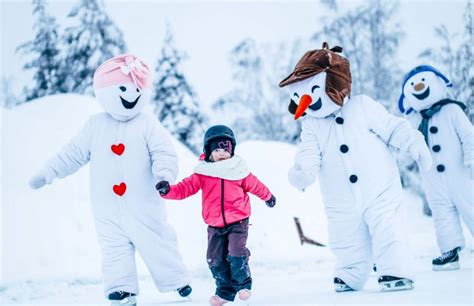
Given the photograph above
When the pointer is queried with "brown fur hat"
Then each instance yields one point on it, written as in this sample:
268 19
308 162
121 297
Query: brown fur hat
338 81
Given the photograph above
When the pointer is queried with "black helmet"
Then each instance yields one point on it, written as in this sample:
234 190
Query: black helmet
218 131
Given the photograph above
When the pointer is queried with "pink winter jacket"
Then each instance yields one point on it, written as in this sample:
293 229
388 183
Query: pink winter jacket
224 186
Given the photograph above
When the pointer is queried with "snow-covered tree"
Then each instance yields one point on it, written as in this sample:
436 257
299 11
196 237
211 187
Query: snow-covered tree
256 106
175 102
244 99
8 99
456 59
43 53
384 36
369 35
92 40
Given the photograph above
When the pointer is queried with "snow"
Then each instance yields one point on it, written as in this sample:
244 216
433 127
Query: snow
50 254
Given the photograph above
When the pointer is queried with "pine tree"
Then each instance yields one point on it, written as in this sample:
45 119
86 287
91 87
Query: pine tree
44 52
92 41
175 102
384 40
244 100
254 105
8 98
456 59
467 71
369 37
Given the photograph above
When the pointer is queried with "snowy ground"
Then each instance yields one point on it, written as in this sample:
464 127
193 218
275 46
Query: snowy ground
50 255
296 284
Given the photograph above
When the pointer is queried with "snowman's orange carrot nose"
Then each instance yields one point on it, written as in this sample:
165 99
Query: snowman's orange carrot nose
305 101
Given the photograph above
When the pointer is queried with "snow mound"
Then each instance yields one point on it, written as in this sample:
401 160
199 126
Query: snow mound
49 233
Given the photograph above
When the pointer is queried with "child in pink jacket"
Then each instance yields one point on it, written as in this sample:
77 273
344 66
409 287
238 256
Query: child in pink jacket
225 181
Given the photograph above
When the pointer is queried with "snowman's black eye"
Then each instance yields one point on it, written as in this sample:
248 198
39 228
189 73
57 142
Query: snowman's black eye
138 90
123 88
314 88
423 79
412 83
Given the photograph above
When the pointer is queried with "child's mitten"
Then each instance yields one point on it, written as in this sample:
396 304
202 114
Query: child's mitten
271 202
163 187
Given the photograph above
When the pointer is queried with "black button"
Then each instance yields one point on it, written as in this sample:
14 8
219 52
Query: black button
436 148
440 168
433 129
353 178
339 120
344 148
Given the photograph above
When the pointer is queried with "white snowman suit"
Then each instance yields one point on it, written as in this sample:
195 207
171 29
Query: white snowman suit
347 147
449 184
128 153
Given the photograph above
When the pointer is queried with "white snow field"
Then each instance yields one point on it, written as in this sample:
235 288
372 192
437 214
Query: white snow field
50 256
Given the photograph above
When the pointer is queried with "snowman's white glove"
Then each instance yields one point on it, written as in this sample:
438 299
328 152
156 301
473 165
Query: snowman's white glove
42 178
299 178
419 151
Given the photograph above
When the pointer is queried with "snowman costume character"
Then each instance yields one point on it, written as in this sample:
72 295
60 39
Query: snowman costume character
129 152
449 135
344 141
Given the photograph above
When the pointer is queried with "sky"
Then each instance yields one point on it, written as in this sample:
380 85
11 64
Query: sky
208 30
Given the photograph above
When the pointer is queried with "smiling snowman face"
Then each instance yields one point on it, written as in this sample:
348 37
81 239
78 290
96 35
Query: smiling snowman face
123 101
423 90
309 97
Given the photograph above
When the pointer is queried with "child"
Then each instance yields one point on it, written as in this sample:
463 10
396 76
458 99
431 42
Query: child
450 136
128 151
225 181
345 142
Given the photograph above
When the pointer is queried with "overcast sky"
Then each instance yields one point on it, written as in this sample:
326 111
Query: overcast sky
208 30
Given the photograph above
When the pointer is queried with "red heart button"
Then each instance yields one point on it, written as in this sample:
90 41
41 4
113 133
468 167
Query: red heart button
118 149
120 189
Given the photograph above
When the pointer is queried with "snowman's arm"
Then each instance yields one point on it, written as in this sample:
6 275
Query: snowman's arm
464 130
71 157
162 153
308 157
394 131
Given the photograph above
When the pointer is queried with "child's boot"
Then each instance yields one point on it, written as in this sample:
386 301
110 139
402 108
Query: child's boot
216 300
245 294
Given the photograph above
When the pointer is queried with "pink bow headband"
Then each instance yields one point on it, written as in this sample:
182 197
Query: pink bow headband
121 69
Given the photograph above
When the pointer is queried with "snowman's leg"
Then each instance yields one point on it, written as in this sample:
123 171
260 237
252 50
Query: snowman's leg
462 193
158 246
349 240
447 223
383 218
118 258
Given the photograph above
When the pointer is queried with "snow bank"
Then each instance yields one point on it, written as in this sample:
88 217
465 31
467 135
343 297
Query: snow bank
49 233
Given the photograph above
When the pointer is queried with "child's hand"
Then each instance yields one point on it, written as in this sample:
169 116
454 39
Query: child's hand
271 202
163 187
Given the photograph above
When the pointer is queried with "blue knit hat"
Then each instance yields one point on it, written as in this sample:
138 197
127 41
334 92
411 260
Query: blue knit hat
414 71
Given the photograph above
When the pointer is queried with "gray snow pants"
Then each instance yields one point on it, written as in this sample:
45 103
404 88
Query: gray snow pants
227 257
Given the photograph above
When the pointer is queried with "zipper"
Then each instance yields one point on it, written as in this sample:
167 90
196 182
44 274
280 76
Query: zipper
222 201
